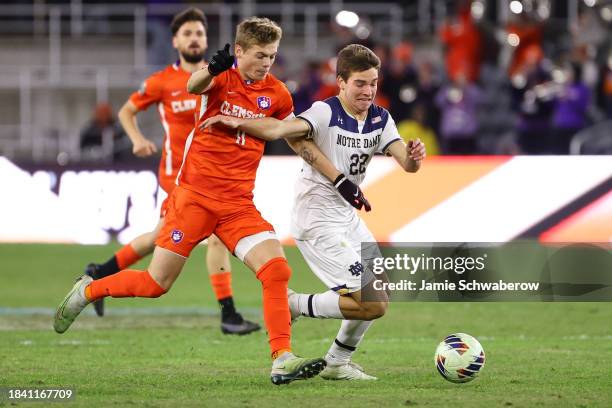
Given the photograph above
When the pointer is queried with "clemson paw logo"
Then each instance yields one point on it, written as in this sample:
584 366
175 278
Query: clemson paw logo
177 236
264 102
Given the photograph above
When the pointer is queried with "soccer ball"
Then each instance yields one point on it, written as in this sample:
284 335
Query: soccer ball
459 358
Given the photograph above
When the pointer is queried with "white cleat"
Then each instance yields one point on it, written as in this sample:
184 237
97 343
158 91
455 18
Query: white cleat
74 302
293 305
289 368
349 371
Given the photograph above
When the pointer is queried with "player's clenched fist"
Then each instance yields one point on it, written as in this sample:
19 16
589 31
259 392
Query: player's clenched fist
351 193
144 148
221 61
416 149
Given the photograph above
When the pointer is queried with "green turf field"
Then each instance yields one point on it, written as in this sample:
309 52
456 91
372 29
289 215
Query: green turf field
170 351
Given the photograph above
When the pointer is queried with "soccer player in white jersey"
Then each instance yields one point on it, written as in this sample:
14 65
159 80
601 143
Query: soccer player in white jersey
349 129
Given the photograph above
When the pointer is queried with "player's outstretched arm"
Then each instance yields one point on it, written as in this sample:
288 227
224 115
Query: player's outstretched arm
410 155
201 80
268 129
310 152
141 146
312 155
295 131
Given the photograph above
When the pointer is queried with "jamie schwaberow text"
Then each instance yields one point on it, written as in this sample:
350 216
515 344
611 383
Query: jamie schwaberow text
461 285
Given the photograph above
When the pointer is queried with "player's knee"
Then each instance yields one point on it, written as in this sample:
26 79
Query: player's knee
282 271
375 310
151 288
164 288
215 243
277 270
149 243
155 293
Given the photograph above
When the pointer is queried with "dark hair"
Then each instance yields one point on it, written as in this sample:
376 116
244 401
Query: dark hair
257 31
355 58
191 14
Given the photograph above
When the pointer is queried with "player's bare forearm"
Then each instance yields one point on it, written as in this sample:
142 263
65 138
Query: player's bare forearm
312 155
199 81
272 129
141 146
408 164
409 156
127 118
268 129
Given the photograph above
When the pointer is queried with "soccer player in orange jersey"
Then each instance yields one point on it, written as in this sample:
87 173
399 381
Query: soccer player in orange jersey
214 195
168 90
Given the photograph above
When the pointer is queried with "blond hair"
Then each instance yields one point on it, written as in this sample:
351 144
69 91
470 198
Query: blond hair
257 31
355 58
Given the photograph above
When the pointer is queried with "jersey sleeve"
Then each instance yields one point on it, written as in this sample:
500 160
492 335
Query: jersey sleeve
150 92
318 117
217 82
285 110
389 136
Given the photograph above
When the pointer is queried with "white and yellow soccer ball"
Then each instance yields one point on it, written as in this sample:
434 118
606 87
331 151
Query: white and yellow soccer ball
459 358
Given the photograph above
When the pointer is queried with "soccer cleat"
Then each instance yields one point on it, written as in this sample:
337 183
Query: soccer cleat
286 369
236 324
293 305
92 270
349 371
74 302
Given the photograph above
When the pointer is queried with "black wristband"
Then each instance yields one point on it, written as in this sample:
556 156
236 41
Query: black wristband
339 180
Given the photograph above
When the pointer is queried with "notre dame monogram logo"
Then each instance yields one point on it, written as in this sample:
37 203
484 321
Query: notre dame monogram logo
356 269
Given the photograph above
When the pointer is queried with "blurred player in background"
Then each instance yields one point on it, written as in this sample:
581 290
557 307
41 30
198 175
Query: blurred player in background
349 129
215 195
168 89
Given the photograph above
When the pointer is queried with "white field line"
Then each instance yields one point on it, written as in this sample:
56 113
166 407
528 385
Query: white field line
129 311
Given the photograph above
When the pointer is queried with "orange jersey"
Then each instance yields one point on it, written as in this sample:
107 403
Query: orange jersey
168 89
221 163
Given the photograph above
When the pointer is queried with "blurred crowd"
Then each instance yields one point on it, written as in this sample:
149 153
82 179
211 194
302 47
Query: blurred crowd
525 88
103 137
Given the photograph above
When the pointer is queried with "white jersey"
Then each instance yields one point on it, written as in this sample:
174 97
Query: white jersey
349 144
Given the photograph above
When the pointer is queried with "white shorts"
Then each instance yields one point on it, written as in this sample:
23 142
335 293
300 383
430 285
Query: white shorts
336 256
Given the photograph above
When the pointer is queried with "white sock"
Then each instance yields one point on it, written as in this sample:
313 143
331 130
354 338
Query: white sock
324 305
349 336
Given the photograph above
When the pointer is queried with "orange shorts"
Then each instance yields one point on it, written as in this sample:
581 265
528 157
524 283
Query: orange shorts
166 183
192 217
164 208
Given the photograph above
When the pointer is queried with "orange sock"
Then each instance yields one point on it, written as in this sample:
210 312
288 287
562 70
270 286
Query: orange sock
274 277
127 283
88 293
126 256
279 353
221 284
